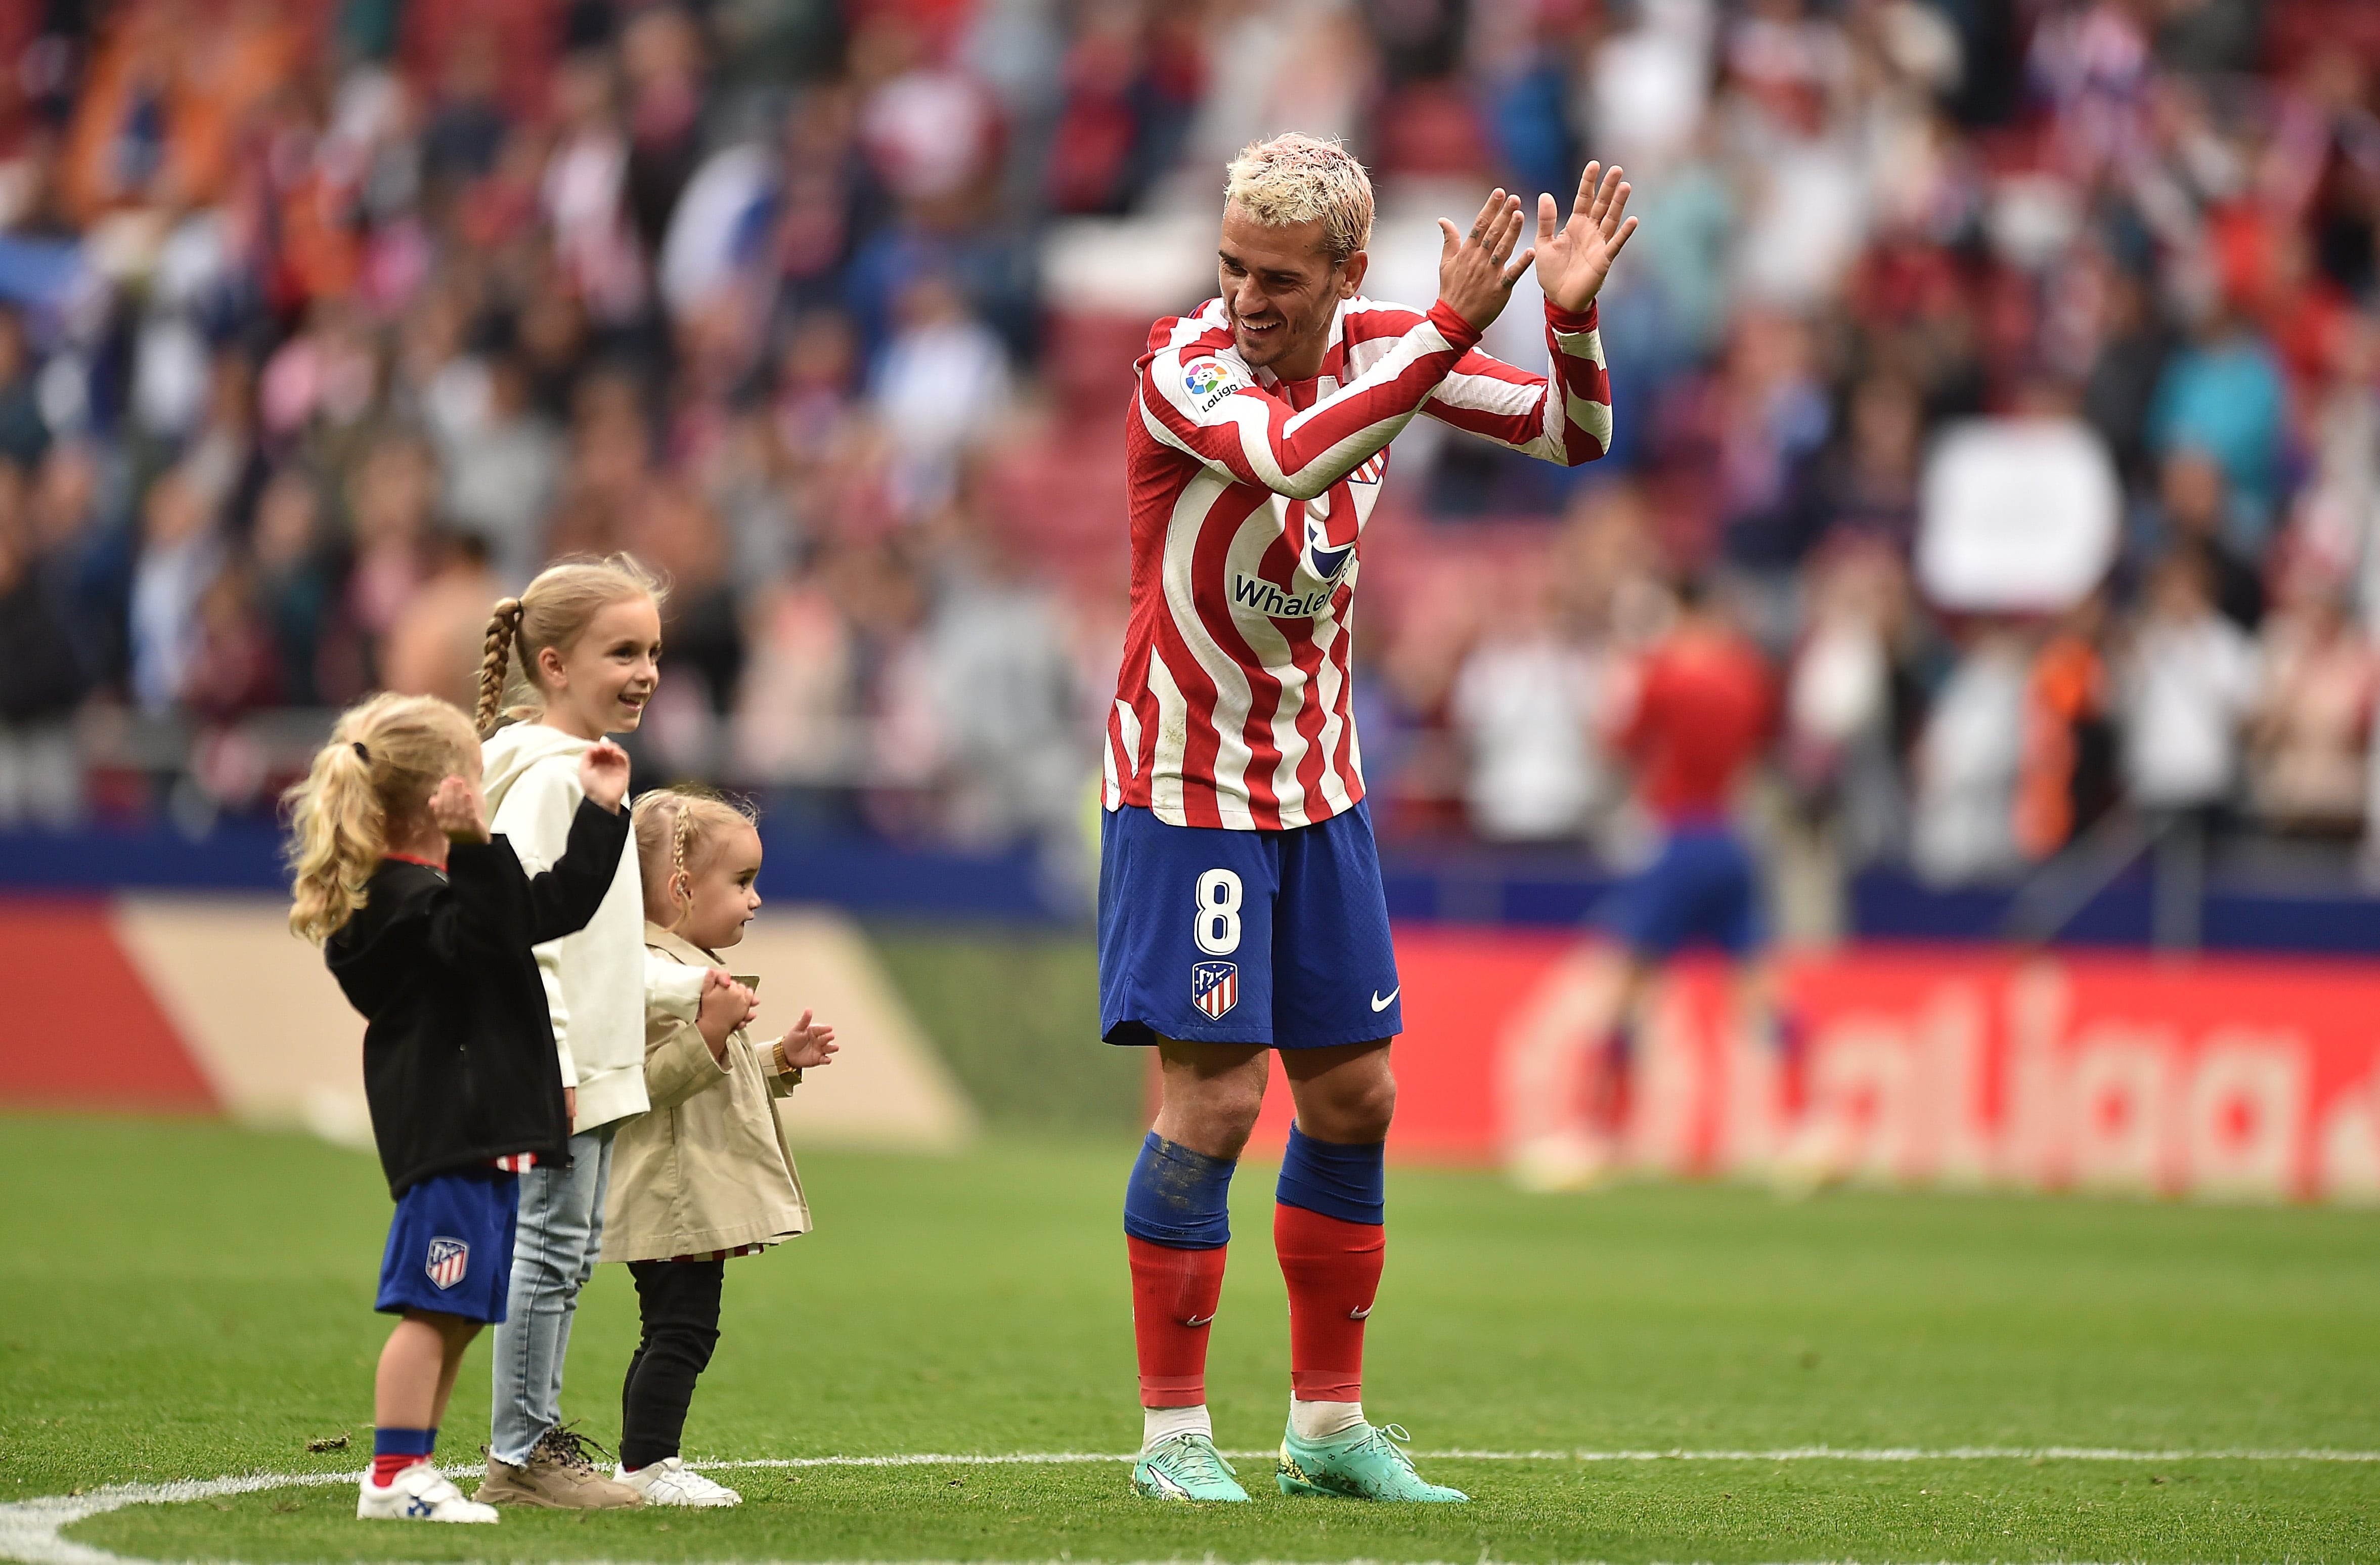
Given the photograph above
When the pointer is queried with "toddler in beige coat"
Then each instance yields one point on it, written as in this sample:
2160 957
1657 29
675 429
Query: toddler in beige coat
705 1175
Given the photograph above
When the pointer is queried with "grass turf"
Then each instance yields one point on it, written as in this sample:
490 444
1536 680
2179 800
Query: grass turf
186 1301
1008 1008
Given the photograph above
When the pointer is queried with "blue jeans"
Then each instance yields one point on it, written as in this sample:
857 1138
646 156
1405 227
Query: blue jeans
554 1247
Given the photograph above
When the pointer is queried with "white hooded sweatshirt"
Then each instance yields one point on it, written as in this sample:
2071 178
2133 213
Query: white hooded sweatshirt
594 979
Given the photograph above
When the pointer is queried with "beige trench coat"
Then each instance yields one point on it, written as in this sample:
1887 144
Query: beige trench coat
707 1168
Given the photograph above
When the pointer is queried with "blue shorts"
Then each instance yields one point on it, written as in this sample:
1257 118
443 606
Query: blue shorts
1214 936
450 1246
1701 887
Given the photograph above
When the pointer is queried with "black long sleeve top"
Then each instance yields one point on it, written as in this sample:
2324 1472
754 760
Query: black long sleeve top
459 1064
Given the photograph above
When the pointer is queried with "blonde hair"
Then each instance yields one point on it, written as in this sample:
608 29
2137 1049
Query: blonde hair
384 759
553 611
1293 179
674 826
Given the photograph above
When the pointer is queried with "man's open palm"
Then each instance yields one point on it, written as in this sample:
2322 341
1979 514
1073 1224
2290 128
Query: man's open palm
1573 264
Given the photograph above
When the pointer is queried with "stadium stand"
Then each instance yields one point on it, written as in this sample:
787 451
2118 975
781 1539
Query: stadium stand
323 326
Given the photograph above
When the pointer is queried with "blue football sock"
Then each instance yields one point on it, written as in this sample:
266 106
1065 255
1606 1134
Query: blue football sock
1179 1198
1349 1183
396 1448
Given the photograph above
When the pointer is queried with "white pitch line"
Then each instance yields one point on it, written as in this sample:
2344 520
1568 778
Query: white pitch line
1919 1453
30 1529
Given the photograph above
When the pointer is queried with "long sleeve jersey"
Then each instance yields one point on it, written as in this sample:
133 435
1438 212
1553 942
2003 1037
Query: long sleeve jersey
1248 498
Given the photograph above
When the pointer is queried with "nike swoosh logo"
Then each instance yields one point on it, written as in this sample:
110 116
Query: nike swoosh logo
1199 1320
1358 1315
1381 1002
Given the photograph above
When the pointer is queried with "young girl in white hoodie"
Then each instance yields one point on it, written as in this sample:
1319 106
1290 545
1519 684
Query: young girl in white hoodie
580 648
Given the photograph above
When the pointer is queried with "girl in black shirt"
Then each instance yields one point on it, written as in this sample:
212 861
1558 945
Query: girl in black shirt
428 924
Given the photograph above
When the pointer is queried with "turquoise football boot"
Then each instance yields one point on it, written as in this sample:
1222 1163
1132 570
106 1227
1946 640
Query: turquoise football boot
1185 1467
1366 1463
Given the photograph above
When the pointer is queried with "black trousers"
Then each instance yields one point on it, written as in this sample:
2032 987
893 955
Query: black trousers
678 1302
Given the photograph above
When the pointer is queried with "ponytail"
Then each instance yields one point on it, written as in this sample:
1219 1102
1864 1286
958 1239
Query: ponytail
383 759
339 834
553 611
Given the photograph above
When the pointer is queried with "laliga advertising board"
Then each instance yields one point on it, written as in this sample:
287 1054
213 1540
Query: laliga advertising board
2016 515
2224 1078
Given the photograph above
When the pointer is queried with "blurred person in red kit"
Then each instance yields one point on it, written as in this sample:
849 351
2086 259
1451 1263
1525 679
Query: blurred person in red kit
1702 711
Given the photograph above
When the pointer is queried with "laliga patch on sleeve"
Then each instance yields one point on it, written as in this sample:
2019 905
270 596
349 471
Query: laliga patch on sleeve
1209 383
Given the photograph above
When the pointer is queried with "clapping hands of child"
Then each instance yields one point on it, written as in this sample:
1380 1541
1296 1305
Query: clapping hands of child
808 1045
459 810
727 1006
603 773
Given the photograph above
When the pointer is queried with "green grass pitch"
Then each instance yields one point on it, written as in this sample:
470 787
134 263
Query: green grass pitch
189 1301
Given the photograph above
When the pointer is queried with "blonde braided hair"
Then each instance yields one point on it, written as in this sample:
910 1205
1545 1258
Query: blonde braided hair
553 611
681 883
503 628
683 818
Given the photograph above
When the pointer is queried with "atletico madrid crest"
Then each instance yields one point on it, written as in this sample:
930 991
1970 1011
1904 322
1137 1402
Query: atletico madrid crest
449 1259
1215 988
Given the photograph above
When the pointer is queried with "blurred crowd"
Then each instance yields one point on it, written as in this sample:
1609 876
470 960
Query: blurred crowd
325 324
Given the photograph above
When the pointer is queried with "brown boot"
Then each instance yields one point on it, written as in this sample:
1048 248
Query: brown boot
559 1477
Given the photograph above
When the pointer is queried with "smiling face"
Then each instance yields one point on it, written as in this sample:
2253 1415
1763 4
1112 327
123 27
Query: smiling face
720 894
600 683
1281 291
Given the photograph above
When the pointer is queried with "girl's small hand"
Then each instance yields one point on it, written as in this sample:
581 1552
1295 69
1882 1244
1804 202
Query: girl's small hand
725 1008
459 810
603 773
720 977
808 1045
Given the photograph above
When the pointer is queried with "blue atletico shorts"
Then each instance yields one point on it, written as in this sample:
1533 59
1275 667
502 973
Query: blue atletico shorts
450 1246
1701 887
1214 936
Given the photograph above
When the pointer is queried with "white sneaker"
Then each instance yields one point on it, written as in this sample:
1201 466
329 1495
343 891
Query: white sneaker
671 1482
420 1493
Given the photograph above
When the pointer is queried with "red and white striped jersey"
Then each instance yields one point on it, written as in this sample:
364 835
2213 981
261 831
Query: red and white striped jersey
1249 495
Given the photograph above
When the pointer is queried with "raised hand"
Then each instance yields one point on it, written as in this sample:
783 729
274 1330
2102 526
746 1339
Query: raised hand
1474 278
806 1046
603 773
1573 264
459 810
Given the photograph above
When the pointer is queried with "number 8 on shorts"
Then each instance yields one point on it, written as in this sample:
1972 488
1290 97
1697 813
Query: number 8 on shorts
1288 934
1218 913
